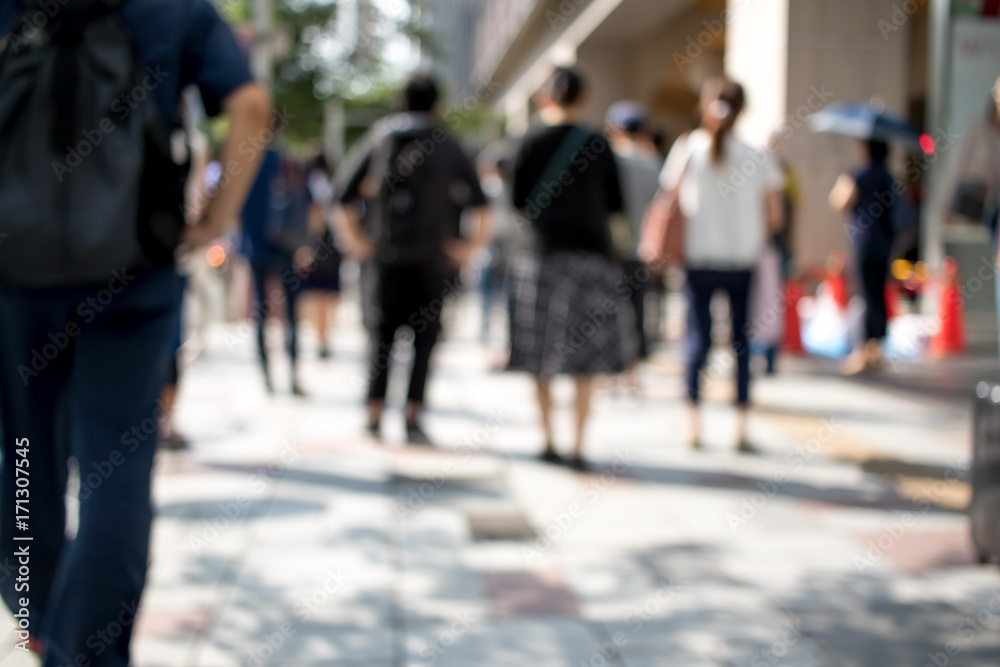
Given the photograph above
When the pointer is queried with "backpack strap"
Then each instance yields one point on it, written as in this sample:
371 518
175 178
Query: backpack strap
560 161
67 33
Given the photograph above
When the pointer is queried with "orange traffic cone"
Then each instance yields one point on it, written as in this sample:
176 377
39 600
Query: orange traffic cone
892 299
836 282
950 338
793 326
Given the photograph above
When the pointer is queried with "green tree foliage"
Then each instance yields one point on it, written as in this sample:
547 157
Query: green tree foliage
317 59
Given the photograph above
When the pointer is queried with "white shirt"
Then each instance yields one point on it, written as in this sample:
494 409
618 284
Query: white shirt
725 204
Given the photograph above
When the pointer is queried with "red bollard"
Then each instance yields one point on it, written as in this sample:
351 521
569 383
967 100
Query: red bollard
793 326
950 338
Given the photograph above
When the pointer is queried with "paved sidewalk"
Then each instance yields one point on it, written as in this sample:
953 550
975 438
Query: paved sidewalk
286 538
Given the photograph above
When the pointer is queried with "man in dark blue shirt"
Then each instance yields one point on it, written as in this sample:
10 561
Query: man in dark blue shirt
81 366
274 231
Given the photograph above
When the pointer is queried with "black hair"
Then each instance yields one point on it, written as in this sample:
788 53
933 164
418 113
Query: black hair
565 87
727 91
420 93
636 127
878 151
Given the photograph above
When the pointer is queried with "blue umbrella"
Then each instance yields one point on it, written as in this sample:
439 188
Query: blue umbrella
864 121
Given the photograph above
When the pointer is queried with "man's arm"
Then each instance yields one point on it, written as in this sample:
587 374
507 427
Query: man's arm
462 251
249 111
844 194
347 226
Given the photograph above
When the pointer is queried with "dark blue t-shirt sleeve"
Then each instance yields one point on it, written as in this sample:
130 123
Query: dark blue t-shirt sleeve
212 59
8 17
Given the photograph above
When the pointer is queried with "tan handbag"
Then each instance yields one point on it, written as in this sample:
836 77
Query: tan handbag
663 227
663 231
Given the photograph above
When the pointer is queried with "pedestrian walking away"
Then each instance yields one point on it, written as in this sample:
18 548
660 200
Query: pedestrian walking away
867 195
639 166
323 257
275 230
402 193
573 313
88 290
726 230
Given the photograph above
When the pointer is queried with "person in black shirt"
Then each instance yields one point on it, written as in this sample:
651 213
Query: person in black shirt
402 194
572 313
867 195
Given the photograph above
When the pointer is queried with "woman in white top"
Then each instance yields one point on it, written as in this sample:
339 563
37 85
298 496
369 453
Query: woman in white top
729 194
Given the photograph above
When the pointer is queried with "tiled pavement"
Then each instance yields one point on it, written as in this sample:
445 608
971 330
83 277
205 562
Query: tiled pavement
285 538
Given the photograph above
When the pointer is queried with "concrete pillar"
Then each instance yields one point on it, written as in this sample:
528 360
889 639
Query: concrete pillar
757 57
796 56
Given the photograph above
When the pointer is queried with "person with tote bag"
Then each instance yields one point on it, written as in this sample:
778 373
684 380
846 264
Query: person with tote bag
568 318
728 196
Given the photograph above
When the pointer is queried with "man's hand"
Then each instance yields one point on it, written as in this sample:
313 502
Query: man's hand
249 112
304 261
203 232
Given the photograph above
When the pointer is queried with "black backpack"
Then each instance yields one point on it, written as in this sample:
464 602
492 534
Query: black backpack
288 213
88 182
413 207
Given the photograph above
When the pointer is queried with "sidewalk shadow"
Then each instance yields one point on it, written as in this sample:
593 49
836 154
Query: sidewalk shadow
885 499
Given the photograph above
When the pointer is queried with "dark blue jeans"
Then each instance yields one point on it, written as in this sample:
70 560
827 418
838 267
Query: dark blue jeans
701 285
81 371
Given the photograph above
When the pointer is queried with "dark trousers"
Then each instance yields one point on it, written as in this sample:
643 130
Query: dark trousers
291 287
701 286
411 296
873 278
638 299
81 371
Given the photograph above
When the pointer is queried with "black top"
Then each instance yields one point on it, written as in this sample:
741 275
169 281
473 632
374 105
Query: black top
433 172
870 225
569 203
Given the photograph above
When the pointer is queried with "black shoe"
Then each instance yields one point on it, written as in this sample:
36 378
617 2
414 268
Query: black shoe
298 391
324 353
578 464
416 436
550 455
374 429
745 447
